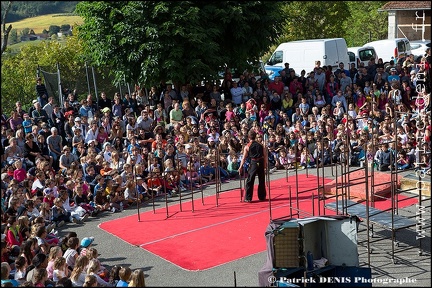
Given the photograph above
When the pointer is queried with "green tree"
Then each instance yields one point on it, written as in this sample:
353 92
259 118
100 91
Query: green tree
148 41
13 37
19 71
65 27
313 20
53 29
25 31
366 22
310 20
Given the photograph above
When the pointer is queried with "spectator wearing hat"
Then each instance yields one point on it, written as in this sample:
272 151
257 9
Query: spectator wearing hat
86 243
393 77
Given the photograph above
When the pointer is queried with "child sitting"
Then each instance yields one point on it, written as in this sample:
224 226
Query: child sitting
233 165
306 159
192 176
154 183
60 269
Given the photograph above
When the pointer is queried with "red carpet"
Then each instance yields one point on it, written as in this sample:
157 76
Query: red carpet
212 236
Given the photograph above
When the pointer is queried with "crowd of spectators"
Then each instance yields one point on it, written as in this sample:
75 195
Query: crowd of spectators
64 163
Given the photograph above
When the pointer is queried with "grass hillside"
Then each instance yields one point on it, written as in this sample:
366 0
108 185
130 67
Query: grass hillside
39 23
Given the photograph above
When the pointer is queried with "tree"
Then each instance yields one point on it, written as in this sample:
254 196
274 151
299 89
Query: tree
65 27
5 31
148 41
13 37
313 20
365 21
25 32
19 70
53 29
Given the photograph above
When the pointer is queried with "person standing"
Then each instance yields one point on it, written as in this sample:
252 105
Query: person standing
257 154
41 91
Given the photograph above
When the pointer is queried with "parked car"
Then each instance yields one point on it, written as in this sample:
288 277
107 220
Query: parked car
418 48
391 49
359 55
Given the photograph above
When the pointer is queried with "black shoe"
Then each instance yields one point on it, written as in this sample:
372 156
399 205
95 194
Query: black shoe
262 200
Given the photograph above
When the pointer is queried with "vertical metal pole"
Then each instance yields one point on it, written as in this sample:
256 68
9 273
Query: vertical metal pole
268 182
367 212
88 80
59 85
96 91
128 86
217 177
138 195
178 166
191 186
120 90
201 163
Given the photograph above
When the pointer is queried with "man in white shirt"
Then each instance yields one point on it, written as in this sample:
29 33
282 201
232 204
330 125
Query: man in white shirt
92 133
237 93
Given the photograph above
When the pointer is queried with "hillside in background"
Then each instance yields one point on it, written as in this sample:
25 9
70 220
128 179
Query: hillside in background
39 23
27 9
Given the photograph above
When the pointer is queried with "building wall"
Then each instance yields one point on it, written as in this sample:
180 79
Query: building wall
404 23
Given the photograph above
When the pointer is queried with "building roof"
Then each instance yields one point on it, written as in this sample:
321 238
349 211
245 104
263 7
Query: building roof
406 5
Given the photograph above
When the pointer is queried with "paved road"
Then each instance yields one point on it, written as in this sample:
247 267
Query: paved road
408 266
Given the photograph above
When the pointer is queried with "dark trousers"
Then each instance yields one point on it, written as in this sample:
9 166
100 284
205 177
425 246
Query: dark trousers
256 167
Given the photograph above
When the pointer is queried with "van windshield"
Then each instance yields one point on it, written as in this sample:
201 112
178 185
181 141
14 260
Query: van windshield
366 55
277 57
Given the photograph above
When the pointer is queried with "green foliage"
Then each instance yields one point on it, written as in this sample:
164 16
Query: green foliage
313 20
26 9
53 29
178 41
366 23
19 71
65 27
13 36
25 31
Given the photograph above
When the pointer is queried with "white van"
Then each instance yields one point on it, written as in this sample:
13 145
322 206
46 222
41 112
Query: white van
390 49
359 55
302 54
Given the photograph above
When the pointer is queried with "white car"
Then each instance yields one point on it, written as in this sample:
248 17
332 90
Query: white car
418 48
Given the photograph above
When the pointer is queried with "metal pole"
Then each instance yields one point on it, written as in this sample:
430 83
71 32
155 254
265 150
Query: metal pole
137 193
128 86
59 85
88 80
95 87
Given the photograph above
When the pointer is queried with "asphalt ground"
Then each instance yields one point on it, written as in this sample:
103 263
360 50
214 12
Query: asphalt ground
405 267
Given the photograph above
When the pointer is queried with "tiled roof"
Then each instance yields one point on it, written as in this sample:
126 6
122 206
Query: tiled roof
406 5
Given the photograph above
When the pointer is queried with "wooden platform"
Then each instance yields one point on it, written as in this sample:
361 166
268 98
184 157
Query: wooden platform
410 184
380 184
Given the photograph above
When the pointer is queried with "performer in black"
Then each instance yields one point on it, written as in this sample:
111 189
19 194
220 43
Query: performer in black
257 154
